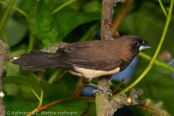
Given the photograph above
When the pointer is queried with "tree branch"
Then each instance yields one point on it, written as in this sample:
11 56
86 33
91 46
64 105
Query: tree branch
54 47
122 100
155 109
103 107
3 56
106 19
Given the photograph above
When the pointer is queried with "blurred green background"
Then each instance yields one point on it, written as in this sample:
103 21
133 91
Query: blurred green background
34 24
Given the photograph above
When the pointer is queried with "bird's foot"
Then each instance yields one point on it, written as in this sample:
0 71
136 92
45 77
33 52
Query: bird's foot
108 91
99 88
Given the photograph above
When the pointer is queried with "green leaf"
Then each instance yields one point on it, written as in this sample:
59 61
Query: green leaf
73 106
25 5
69 19
48 28
15 26
11 69
91 109
69 107
17 107
92 6
31 17
15 30
27 86
68 82
50 89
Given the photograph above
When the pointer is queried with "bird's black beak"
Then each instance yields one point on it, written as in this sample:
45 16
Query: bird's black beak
144 46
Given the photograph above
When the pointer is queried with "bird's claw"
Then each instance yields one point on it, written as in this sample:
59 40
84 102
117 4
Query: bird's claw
108 91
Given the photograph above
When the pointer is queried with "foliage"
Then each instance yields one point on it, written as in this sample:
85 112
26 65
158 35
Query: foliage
35 24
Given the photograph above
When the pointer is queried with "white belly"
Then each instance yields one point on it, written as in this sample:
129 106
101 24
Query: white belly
91 73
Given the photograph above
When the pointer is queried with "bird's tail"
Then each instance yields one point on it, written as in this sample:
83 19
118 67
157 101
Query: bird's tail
36 60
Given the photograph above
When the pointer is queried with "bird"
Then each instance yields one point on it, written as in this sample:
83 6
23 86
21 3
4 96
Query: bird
88 59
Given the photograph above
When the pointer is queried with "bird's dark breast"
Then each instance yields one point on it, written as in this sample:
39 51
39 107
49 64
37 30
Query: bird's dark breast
124 64
127 59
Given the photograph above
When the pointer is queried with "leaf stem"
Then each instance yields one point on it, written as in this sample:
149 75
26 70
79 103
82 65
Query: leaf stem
157 62
17 9
162 7
31 42
171 61
62 6
54 76
5 39
35 94
156 52
41 98
6 14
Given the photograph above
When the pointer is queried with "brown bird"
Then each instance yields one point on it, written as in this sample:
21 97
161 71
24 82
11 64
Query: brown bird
88 59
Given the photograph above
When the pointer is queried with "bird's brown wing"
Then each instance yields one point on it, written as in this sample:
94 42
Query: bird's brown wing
90 55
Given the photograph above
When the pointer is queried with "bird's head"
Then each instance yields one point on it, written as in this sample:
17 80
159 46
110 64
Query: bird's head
134 44
131 45
139 44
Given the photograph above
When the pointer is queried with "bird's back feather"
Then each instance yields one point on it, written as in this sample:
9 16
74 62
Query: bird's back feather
36 60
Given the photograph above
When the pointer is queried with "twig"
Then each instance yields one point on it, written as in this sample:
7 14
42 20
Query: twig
122 100
155 109
118 102
133 99
78 87
3 52
118 86
39 108
122 12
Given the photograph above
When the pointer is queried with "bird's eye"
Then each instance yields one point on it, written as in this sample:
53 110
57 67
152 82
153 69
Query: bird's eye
135 44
